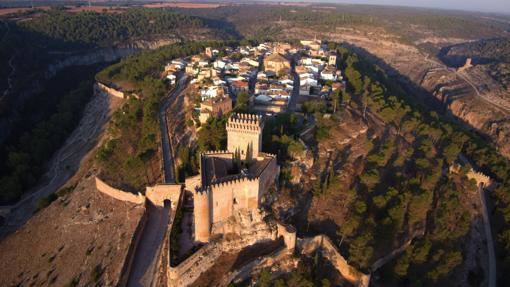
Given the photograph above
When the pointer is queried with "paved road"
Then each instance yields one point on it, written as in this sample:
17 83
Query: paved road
168 164
144 263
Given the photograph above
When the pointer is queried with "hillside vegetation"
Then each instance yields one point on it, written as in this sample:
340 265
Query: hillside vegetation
105 29
403 190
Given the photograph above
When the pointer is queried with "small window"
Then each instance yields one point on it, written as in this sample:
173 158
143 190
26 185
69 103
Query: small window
235 200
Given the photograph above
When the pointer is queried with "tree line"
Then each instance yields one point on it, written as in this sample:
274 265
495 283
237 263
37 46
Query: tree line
105 29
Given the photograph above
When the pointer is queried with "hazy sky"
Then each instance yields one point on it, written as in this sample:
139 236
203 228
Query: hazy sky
501 6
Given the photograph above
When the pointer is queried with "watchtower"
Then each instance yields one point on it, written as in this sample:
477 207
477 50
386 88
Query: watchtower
244 134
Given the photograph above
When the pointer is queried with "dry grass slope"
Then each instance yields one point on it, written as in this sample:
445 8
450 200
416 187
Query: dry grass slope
81 239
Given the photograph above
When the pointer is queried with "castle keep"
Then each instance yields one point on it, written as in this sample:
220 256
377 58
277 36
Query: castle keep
225 186
244 134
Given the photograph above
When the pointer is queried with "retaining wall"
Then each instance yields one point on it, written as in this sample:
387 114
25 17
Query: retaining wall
119 194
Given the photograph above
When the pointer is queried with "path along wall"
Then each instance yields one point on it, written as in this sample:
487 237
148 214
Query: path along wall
322 242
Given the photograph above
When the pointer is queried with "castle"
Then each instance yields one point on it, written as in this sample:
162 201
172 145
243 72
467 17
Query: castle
232 180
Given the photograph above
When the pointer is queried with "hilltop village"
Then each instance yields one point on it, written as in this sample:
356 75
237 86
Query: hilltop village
227 206
273 77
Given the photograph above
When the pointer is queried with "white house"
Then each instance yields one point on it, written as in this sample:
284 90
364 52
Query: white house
328 75
171 78
219 64
210 92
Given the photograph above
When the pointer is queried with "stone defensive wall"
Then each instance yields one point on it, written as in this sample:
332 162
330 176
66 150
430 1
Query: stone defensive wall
110 91
160 193
480 178
119 194
322 242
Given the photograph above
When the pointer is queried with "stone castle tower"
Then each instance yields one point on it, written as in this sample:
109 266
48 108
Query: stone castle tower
244 134
219 192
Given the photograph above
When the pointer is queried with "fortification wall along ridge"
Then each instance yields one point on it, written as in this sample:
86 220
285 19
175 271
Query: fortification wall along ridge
322 242
479 177
110 91
119 194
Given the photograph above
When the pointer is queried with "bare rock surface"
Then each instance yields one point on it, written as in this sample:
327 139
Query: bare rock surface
82 238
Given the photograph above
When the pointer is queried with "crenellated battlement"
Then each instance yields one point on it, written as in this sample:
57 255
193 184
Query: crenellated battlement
215 152
245 122
265 154
235 180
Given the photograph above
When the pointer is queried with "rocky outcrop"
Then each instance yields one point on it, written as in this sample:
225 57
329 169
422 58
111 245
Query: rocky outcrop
243 229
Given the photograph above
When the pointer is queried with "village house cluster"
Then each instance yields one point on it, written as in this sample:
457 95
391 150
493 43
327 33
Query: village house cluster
317 70
269 75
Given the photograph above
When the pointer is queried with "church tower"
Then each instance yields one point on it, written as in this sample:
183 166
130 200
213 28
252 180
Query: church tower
244 134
